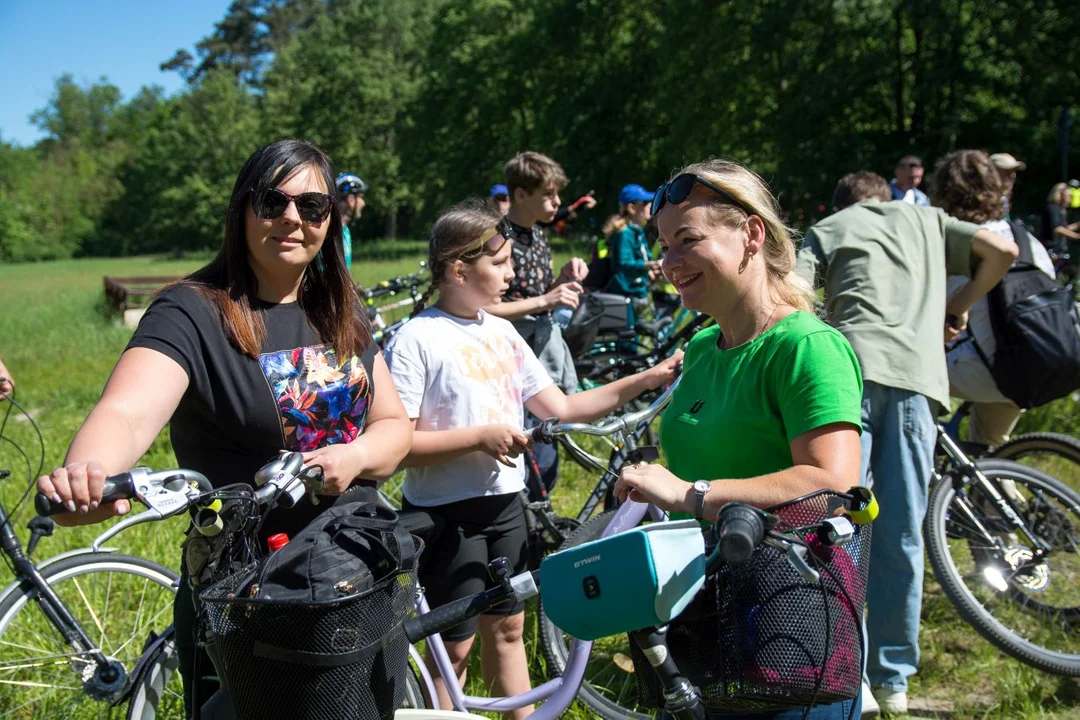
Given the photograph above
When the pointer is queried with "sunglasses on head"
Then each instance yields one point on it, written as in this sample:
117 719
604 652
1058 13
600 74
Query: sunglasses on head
679 189
312 207
490 242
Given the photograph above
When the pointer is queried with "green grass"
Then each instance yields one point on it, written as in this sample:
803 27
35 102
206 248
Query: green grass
59 344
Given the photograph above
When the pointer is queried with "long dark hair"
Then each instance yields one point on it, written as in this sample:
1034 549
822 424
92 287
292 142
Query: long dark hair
327 294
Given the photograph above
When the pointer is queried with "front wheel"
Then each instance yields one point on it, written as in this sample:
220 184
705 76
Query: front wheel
119 602
1024 601
610 686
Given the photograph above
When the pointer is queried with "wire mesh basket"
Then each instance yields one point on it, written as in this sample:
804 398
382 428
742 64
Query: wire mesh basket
346 658
758 637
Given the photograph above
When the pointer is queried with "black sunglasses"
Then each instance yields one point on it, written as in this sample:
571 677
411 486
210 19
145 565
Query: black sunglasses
312 207
678 190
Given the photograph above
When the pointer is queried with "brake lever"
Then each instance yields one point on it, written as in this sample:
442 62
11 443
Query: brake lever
171 498
796 555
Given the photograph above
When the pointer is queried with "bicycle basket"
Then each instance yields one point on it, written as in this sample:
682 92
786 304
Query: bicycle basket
758 637
312 659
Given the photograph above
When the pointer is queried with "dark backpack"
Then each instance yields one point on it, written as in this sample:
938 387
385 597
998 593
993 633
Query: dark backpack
1037 330
344 551
599 266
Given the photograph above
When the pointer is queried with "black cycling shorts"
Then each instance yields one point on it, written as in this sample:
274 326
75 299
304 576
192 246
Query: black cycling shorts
455 565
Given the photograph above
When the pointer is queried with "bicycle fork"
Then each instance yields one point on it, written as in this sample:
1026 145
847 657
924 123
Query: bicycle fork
681 699
969 475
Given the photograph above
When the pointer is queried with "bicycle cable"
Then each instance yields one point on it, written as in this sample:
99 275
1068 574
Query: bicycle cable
18 507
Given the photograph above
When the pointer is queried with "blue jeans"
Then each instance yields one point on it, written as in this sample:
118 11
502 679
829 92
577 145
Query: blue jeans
843 710
897 461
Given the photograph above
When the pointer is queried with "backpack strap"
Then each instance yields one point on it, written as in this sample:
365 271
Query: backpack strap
1023 241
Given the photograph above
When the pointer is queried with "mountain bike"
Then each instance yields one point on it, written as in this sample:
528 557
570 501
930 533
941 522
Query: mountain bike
1004 542
387 314
1055 454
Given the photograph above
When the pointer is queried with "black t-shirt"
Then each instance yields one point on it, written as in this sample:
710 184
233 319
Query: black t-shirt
1054 216
238 412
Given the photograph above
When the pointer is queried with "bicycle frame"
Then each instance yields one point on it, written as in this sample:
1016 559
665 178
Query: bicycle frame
51 606
964 473
557 694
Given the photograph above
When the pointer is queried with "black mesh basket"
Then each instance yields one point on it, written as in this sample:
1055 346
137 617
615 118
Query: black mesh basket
318 661
758 637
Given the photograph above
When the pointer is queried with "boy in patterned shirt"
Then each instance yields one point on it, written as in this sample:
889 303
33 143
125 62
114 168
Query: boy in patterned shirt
534 181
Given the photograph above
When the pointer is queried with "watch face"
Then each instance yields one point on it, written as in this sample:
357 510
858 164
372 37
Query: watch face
702 486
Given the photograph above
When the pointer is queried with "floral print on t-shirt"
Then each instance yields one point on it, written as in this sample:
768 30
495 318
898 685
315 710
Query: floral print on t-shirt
320 401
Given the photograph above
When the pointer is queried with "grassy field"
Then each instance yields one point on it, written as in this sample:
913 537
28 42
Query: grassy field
60 345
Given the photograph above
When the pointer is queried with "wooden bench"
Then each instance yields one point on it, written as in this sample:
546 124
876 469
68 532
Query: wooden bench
129 296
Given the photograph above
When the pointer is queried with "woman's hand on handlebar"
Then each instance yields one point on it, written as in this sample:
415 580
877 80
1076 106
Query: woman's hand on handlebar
77 486
652 483
341 464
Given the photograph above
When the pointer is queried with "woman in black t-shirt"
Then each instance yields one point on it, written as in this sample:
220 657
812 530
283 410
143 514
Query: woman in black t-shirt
266 348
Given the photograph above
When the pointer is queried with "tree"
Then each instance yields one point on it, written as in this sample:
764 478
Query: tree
346 83
246 40
179 179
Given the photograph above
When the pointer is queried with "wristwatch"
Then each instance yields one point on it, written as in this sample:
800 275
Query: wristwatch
701 489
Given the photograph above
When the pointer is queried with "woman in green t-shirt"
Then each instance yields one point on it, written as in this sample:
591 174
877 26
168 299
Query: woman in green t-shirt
769 407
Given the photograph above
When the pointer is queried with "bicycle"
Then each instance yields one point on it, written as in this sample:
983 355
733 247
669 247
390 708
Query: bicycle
74 628
152 688
1055 454
611 685
1004 543
387 318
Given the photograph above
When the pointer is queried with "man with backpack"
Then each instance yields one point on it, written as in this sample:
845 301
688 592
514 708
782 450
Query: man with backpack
880 262
1021 347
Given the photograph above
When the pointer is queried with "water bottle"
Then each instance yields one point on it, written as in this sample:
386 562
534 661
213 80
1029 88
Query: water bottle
276 542
561 316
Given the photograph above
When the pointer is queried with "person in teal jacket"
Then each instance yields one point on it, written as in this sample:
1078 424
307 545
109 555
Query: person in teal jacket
631 264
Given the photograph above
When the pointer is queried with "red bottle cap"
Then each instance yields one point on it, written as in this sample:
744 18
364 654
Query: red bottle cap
276 542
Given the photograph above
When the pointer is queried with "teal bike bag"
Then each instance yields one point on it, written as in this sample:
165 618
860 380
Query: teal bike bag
632 580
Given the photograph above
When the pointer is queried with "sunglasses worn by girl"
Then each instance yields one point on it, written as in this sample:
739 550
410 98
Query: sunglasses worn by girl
679 189
312 207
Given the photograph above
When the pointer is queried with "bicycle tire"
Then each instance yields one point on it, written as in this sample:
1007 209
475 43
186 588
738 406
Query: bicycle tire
40 673
606 701
949 537
1055 454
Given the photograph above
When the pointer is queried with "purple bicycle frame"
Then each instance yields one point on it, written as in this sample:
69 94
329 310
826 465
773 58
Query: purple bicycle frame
556 694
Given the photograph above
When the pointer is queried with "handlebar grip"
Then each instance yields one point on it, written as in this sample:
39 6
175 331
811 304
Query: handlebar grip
447 616
117 487
542 432
740 529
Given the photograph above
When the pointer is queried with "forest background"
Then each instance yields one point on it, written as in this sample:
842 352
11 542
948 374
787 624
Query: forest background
426 99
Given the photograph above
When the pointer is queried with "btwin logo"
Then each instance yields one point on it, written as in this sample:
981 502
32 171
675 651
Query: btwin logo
587 561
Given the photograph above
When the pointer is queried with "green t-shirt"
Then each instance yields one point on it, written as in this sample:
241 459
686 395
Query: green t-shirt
736 411
883 265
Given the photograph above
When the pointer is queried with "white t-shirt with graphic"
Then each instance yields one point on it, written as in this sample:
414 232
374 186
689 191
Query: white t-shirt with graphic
453 373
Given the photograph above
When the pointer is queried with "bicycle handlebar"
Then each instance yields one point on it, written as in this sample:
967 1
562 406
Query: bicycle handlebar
117 487
548 430
166 493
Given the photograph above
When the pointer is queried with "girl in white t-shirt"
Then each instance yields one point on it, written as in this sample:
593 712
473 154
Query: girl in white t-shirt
464 376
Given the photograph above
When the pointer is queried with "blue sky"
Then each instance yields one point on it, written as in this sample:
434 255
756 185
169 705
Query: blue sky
122 40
